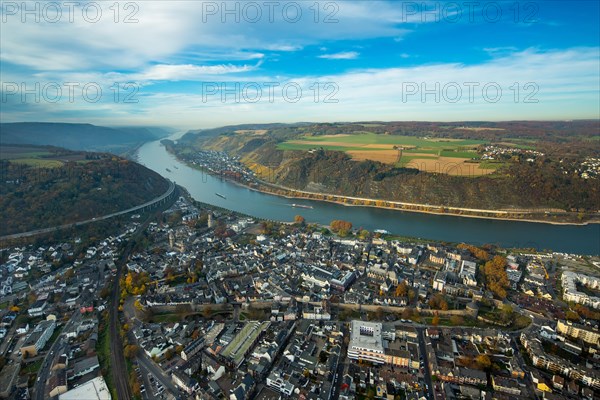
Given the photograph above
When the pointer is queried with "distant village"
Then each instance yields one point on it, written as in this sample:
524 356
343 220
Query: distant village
214 305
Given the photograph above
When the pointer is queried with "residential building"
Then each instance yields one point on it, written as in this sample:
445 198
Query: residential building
37 338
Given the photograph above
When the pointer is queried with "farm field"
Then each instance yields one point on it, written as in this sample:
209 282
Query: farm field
441 155
37 156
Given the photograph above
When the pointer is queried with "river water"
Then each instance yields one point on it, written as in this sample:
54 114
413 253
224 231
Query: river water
203 187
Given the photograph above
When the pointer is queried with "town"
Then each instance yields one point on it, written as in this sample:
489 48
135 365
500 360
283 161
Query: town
213 305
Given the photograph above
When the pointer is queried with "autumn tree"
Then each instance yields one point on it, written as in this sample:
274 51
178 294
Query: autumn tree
480 254
412 294
299 220
483 362
494 276
506 312
402 289
340 227
130 351
438 302
435 320
135 283
572 316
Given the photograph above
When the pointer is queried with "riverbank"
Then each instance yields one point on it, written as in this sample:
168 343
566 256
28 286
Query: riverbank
350 201
463 213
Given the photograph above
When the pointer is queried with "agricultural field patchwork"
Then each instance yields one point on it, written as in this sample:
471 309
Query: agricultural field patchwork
38 156
441 155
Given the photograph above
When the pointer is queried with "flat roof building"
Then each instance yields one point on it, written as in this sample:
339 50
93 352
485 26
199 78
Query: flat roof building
366 342
95 389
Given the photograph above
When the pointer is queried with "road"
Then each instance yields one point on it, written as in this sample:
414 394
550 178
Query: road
150 203
339 373
143 360
427 372
57 348
157 372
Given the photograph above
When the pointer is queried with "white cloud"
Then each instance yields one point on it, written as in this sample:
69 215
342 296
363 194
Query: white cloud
567 88
167 29
346 55
187 72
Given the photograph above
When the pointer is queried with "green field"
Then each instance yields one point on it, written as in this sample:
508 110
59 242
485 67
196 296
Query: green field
32 156
309 146
38 162
371 138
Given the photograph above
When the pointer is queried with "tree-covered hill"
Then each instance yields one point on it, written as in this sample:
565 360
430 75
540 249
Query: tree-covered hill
80 187
547 165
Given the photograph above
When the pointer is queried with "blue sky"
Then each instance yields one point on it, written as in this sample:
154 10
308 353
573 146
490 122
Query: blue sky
193 64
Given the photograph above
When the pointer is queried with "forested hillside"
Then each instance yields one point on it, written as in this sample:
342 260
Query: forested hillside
539 165
81 186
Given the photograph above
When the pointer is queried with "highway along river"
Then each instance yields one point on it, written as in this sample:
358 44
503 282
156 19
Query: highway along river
203 187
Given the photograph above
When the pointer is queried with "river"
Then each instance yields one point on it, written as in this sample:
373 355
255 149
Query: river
577 239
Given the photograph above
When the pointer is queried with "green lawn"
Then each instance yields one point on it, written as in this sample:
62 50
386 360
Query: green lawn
167 318
34 367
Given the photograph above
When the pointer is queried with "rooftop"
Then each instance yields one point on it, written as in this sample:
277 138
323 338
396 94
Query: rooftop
366 335
95 389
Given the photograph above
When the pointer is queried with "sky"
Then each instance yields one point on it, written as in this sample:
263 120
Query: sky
198 64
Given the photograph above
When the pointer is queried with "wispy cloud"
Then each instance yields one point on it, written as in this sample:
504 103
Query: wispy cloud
188 72
345 55
567 87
